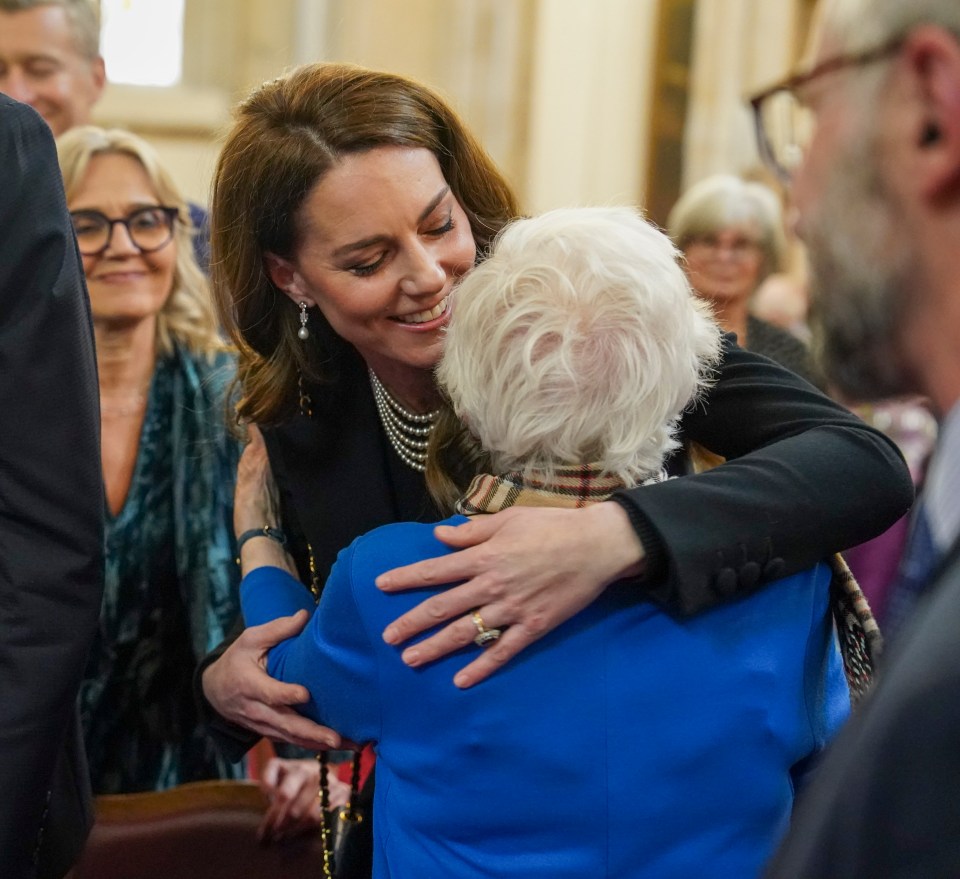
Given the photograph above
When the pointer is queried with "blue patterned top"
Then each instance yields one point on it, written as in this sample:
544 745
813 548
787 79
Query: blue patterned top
170 588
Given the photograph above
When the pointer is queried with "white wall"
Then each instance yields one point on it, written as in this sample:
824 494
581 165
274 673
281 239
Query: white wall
557 90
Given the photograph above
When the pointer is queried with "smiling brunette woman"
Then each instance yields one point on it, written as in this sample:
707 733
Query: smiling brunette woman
168 466
347 203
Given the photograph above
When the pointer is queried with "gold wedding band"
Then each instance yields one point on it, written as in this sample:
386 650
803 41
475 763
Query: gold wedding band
484 635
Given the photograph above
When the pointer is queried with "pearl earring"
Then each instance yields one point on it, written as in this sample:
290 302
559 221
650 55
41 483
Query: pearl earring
303 333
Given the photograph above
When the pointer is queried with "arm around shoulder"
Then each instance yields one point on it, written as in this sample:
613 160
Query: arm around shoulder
804 478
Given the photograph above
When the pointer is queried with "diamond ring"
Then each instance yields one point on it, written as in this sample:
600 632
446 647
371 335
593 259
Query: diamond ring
484 635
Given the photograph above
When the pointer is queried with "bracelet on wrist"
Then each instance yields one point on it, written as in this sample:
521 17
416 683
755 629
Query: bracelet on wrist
268 531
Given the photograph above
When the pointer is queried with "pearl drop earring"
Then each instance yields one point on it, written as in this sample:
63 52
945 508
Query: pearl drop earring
303 333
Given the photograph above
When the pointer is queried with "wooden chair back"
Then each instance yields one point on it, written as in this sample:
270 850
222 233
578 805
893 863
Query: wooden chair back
202 830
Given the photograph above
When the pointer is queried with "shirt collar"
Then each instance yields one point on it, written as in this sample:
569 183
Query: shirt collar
941 487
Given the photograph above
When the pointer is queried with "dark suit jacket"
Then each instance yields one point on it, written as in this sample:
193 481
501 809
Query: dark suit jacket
885 801
51 506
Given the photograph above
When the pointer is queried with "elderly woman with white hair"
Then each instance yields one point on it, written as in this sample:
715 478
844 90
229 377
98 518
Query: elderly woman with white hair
731 233
624 742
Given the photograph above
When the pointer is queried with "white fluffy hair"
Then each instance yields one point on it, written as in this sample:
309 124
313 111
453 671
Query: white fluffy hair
578 340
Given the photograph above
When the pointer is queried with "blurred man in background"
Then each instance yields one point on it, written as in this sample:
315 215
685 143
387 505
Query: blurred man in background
50 58
877 188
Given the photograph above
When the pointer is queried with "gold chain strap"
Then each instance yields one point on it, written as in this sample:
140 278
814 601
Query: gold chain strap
324 792
314 577
328 830
304 402
348 813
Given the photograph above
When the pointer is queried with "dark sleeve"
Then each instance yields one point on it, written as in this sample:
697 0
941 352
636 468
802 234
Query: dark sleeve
804 478
231 739
51 497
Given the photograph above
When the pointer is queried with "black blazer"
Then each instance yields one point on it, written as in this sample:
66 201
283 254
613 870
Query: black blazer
51 506
337 474
804 478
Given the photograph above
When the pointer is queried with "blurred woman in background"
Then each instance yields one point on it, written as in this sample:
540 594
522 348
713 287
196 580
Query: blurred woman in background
731 233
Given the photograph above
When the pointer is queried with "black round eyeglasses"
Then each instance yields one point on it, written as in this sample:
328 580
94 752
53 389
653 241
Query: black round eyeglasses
148 229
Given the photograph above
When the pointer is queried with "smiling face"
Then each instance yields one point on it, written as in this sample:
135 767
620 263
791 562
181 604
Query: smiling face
724 267
382 242
41 65
126 286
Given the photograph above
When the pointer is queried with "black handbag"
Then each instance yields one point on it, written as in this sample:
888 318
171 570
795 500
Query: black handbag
348 834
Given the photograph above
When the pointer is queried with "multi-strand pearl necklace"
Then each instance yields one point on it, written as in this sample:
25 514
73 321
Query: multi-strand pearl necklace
408 432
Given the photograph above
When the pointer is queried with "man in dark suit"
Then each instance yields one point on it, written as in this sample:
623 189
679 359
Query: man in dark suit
877 189
51 507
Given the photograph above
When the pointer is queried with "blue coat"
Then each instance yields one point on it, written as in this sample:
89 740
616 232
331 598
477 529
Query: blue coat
625 743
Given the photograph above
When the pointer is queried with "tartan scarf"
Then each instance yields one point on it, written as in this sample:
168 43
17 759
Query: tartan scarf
568 487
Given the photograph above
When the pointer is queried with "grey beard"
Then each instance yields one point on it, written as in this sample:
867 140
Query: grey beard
858 272
854 325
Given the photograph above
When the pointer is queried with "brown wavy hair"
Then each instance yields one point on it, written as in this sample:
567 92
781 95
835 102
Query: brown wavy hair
287 135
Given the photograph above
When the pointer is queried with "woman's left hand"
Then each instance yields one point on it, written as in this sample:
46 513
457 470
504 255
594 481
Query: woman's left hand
526 570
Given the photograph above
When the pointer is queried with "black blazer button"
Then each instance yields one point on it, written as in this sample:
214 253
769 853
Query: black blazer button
726 582
749 575
773 569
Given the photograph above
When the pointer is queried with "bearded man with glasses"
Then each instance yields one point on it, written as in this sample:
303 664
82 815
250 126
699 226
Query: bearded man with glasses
869 140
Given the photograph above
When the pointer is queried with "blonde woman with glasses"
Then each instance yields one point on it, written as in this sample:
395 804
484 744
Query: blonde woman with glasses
168 466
